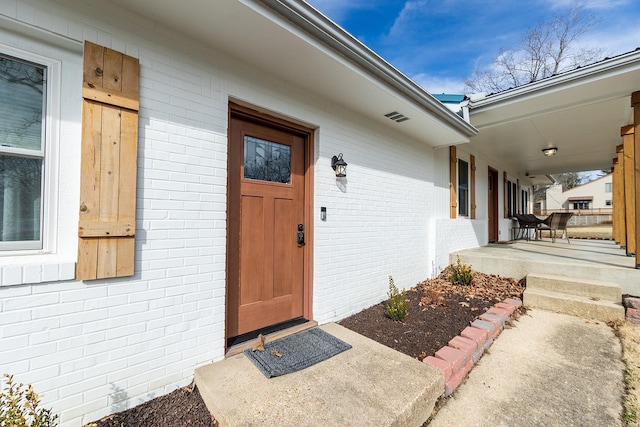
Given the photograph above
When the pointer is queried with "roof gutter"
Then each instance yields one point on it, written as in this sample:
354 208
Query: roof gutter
629 59
313 22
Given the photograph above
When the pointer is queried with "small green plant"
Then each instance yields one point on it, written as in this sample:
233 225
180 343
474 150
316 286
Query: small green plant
396 308
19 406
460 274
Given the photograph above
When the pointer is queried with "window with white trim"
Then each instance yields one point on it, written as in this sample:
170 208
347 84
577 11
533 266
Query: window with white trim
607 187
40 128
23 91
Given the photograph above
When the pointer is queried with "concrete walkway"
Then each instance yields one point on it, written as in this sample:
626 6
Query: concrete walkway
585 259
549 370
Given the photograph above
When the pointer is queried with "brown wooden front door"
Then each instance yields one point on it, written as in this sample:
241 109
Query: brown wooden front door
492 200
266 213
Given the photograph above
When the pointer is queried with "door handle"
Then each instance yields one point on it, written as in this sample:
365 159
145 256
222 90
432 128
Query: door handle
300 234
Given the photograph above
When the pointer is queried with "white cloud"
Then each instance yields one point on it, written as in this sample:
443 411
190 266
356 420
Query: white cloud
338 9
613 41
607 4
407 15
591 4
436 85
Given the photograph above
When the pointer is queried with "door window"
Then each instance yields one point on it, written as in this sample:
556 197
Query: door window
266 160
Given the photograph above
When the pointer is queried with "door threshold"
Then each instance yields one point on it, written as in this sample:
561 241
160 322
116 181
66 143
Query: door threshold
239 348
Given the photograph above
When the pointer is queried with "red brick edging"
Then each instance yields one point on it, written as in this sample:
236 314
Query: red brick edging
632 309
457 359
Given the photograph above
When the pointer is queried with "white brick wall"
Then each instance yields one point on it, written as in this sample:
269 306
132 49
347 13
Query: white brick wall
96 347
457 234
462 233
376 218
102 346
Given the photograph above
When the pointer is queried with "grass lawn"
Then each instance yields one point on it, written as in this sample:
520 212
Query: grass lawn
630 338
601 231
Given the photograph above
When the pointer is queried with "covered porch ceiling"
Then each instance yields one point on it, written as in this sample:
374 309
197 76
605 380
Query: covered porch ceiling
291 40
580 112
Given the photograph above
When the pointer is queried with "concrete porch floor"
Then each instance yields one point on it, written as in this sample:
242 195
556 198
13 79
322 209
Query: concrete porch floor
585 259
367 385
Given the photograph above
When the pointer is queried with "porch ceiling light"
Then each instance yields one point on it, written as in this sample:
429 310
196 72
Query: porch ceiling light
339 165
550 151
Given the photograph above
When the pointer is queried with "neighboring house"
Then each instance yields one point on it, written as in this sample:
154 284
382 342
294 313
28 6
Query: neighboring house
167 186
595 196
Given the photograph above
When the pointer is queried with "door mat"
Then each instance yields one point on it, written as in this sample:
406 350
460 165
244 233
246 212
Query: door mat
296 352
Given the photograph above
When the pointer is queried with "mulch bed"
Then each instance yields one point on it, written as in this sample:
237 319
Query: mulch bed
182 407
438 311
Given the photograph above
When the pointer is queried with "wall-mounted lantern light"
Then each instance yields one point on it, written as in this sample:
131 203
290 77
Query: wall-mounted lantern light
550 151
339 165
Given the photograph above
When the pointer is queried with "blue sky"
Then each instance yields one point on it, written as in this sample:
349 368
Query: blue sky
439 43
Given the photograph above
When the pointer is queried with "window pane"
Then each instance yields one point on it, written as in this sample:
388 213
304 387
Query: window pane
463 188
266 160
463 197
509 200
22 95
20 198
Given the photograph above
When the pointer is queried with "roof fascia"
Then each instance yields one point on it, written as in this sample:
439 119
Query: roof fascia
556 82
313 22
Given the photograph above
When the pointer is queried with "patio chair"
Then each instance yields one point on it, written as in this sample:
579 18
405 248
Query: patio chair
554 222
526 223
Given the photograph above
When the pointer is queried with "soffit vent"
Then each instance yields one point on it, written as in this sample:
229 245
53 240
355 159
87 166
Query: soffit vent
396 117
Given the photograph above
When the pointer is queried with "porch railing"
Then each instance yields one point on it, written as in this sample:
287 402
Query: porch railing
576 212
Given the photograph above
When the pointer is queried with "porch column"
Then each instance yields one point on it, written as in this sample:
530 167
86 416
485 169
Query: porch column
629 168
635 103
619 227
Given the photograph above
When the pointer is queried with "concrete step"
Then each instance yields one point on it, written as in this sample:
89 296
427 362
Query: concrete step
581 287
370 384
575 305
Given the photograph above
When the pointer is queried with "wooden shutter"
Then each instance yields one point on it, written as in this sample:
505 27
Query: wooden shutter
453 193
108 171
472 185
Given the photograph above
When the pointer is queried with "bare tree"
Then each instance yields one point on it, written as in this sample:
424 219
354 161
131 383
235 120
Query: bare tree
548 48
569 179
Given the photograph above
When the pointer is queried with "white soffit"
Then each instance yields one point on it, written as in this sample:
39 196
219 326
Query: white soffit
291 40
579 112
